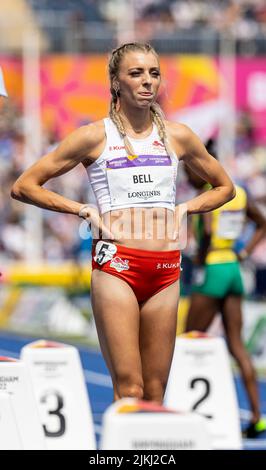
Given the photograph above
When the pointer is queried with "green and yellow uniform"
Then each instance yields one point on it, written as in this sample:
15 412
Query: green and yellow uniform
222 274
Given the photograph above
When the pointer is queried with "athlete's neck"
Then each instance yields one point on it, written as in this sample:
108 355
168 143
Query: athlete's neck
136 122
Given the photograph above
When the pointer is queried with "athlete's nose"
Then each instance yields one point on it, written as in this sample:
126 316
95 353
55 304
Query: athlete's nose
146 79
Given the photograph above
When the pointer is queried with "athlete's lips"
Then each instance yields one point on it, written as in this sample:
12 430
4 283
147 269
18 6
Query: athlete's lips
146 94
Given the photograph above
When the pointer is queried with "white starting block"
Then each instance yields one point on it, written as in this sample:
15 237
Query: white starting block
61 394
130 424
201 380
21 413
9 435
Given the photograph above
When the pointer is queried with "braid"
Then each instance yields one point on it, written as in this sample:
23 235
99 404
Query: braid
158 119
114 115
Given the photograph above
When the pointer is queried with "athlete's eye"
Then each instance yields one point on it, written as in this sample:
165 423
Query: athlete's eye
136 73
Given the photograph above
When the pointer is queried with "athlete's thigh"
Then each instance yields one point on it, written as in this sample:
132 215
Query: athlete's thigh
158 319
116 314
232 317
201 312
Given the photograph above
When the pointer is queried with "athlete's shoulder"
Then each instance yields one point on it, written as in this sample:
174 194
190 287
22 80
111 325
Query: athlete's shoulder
182 137
82 141
93 132
87 134
93 139
179 131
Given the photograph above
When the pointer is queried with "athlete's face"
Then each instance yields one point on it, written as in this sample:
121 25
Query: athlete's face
139 78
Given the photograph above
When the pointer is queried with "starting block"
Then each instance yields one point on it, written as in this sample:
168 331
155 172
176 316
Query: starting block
61 395
18 408
201 380
9 435
130 424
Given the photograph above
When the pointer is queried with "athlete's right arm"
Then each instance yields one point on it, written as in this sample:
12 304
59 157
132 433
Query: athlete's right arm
70 152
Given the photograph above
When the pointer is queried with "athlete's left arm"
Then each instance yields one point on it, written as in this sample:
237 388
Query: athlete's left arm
194 154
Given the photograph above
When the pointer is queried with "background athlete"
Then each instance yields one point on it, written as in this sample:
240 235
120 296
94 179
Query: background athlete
131 159
218 284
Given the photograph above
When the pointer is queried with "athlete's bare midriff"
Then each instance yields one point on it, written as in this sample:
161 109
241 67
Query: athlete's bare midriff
142 228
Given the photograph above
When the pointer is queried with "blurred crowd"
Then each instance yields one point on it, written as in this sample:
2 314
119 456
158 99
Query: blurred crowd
60 232
245 18
63 236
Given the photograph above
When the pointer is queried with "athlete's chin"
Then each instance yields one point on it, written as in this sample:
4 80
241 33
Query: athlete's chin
144 103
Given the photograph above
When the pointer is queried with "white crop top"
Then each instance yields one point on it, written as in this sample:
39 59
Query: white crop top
147 179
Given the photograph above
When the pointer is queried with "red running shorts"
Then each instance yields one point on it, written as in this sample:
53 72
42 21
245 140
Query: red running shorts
146 272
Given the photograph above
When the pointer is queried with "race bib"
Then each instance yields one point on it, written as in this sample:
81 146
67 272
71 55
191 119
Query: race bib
230 224
104 252
140 179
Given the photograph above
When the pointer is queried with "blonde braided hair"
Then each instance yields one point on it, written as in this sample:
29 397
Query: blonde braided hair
156 111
